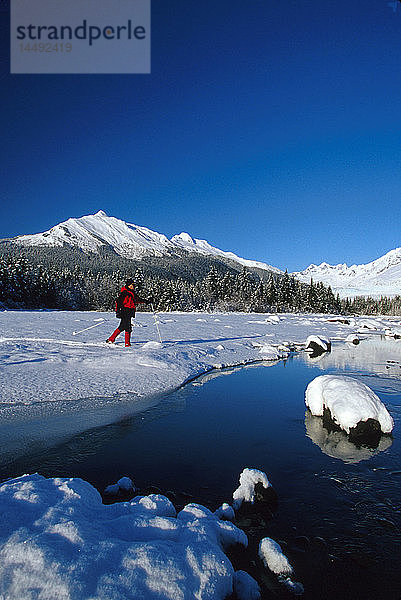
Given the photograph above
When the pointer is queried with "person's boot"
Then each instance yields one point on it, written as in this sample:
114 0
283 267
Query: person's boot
113 336
127 338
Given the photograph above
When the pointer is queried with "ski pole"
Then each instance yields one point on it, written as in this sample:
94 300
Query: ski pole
156 322
91 327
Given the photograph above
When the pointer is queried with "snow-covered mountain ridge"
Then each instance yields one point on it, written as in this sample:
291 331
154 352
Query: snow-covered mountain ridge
381 277
92 232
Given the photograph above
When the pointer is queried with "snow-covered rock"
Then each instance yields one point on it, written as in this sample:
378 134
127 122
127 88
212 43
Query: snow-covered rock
58 540
275 560
248 479
352 338
348 400
317 343
273 557
394 332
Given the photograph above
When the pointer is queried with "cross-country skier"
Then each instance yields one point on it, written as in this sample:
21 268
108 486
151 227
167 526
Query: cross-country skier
125 310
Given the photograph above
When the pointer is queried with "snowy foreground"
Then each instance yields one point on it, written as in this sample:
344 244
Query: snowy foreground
60 541
42 361
57 539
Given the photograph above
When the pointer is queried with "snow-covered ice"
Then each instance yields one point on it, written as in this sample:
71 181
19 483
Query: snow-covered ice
57 540
349 401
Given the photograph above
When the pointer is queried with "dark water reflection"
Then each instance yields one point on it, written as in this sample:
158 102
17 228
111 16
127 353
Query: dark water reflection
199 439
337 443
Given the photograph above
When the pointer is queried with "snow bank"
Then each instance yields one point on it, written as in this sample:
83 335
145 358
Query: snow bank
58 540
349 401
370 324
41 361
246 490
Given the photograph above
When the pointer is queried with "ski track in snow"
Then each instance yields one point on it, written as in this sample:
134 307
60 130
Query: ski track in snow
41 360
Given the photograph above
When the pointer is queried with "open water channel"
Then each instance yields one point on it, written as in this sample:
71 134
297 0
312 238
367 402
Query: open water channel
339 512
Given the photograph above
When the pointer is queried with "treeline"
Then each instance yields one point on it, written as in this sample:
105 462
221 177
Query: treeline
24 284
28 285
362 305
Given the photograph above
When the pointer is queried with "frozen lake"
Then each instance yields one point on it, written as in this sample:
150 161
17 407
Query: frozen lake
339 505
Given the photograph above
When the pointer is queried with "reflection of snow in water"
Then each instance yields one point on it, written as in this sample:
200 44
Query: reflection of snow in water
336 443
377 355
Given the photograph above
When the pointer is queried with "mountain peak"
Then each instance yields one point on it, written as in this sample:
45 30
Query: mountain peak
90 233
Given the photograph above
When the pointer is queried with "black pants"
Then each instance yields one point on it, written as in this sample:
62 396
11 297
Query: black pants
126 316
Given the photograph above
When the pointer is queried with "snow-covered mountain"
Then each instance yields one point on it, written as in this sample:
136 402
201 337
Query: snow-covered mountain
381 277
92 232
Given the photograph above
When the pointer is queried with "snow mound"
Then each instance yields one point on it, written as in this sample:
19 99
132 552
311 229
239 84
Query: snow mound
273 558
352 338
273 319
273 352
349 401
370 324
123 485
151 346
246 490
225 512
394 332
59 541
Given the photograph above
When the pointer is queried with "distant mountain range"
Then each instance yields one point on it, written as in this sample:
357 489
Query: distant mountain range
91 233
381 277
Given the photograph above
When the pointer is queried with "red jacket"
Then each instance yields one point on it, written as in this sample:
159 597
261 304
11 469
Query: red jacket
128 299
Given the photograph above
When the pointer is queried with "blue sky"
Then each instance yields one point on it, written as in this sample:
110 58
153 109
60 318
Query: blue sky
271 129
